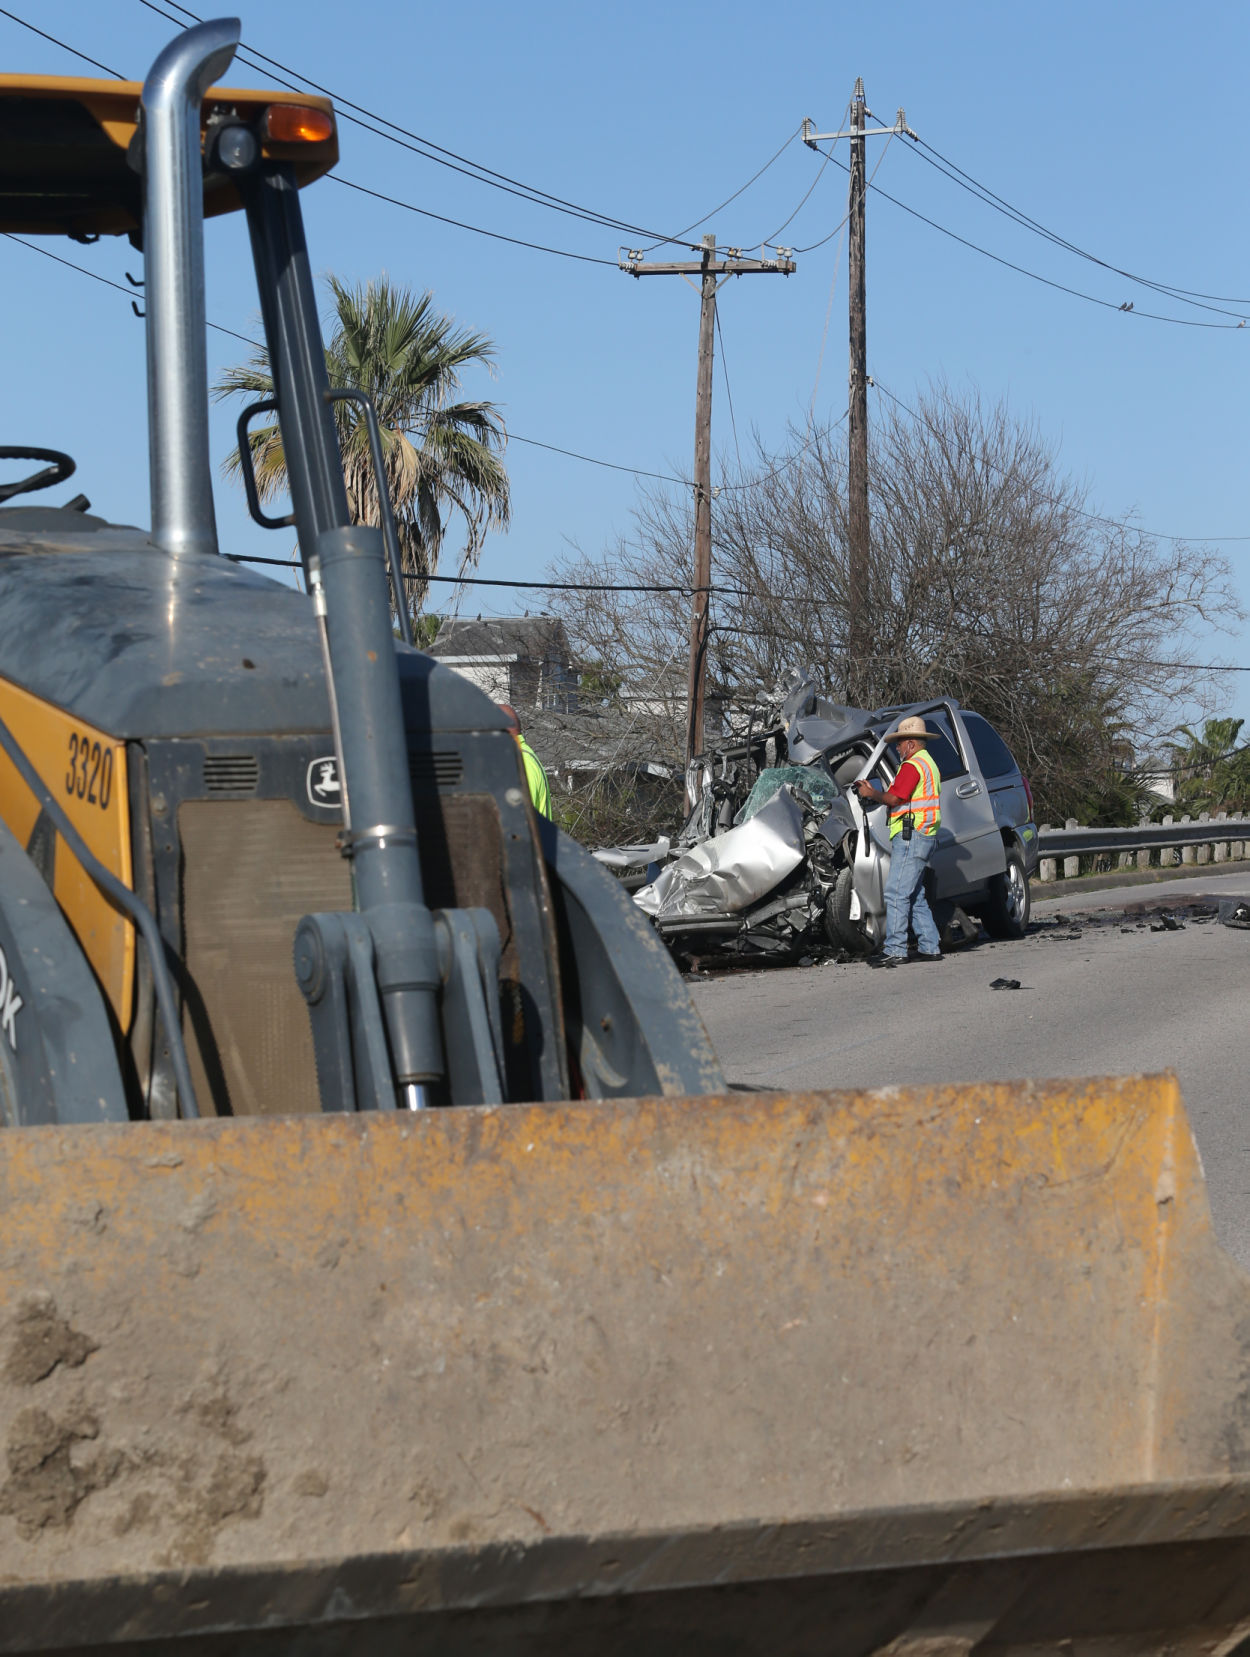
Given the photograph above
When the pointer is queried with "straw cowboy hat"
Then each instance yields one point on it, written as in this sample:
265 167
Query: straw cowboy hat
912 729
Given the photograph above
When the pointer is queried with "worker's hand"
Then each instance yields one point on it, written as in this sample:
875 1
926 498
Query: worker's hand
864 788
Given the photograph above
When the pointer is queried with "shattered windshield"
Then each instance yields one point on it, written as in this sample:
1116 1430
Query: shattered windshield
814 788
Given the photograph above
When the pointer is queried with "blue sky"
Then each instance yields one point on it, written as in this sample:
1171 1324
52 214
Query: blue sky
1121 127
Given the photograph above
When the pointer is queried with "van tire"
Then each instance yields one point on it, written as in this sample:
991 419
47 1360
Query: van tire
1006 915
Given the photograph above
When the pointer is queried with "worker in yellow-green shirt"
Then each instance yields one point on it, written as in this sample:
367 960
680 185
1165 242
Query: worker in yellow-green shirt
535 776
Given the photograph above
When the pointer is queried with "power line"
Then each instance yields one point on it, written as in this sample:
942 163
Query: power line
394 201
527 586
1046 281
766 477
495 235
591 259
1092 659
982 192
824 338
748 595
1052 500
573 454
612 465
503 181
431 151
617 466
513 437
741 190
73 51
106 281
724 374
498 181
771 241
428 149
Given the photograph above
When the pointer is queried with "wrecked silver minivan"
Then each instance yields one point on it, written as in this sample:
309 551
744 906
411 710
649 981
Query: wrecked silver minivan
781 858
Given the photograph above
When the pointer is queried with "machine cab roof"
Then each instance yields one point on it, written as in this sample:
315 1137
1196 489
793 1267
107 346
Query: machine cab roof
69 163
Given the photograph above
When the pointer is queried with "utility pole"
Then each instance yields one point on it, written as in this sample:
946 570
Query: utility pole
859 631
712 273
859 640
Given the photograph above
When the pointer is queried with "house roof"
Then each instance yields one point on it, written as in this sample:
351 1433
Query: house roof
505 637
596 739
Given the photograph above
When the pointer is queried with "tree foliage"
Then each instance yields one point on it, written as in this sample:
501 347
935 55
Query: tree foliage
1212 770
443 457
990 580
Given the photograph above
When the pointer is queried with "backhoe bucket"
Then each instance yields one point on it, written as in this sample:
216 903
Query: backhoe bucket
918 1373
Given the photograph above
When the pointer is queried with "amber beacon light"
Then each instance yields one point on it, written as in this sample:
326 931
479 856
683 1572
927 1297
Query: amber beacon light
297 124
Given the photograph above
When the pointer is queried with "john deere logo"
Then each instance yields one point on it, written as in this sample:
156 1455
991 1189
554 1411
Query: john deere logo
323 782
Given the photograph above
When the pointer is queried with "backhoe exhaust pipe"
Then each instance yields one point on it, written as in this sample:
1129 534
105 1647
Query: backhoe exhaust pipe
173 240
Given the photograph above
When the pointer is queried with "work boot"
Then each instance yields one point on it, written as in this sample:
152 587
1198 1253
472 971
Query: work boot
887 960
933 960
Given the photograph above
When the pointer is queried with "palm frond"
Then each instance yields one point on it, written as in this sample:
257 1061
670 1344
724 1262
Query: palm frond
442 456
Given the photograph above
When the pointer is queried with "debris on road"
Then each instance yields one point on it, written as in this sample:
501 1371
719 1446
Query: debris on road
1005 984
961 929
1235 912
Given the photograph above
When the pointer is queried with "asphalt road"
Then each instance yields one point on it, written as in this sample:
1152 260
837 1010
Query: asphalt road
1106 1002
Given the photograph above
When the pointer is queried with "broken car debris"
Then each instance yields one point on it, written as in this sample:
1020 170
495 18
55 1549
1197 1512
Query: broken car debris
781 859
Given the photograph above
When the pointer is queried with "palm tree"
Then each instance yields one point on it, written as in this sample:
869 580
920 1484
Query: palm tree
1213 773
443 458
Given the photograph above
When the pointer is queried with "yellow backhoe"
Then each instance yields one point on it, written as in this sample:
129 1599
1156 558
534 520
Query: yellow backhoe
384 1264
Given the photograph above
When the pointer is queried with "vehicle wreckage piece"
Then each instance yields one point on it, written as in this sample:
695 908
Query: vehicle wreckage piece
637 865
727 873
1235 912
738 884
810 1372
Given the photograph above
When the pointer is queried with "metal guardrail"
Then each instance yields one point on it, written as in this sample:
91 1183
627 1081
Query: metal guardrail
1077 841
1196 842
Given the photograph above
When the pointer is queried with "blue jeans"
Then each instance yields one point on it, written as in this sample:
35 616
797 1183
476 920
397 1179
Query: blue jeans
905 901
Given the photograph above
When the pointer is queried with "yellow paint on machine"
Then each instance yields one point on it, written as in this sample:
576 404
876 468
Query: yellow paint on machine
85 769
742 1337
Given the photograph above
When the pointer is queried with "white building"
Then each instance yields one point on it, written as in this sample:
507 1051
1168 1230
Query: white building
522 660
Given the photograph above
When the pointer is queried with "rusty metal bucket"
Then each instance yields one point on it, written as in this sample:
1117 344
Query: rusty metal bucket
934 1371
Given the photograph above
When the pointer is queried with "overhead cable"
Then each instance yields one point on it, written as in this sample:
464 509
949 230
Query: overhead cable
724 370
982 192
106 281
1035 276
244 339
495 235
72 50
459 224
667 241
612 465
785 465
527 586
748 595
373 122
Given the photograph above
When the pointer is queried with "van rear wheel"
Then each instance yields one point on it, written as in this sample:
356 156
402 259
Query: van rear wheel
1007 913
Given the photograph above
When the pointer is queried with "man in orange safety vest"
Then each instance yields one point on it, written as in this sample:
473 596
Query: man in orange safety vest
914 803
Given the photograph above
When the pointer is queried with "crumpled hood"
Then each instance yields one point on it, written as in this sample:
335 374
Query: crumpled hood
732 870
